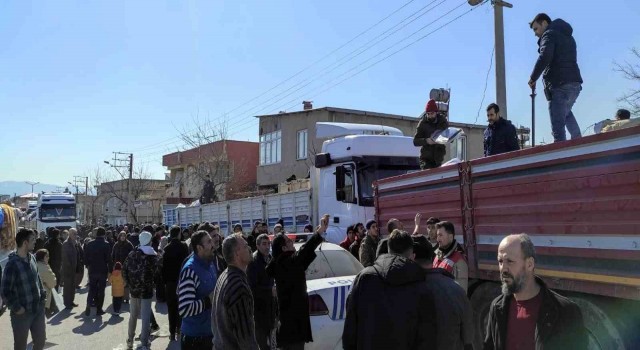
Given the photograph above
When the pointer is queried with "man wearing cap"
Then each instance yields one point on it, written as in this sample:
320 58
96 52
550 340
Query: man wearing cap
97 256
623 121
431 153
139 271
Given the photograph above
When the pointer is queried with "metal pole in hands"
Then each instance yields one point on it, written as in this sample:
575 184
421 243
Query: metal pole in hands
533 116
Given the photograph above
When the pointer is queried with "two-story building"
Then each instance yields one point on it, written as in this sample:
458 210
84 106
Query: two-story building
147 199
229 165
288 143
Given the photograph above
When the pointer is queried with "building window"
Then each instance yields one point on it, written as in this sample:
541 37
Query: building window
270 148
302 144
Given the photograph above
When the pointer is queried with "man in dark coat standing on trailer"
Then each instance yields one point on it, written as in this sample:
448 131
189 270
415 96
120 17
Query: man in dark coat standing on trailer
431 153
500 136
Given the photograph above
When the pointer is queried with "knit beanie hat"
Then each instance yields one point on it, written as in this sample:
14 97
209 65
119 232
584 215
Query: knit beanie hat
369 223
145 238
432 106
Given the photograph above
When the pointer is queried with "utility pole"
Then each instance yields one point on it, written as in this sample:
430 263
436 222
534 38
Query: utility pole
501 76
125 160
32 184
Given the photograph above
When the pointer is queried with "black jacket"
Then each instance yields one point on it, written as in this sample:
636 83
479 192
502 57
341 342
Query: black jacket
288 270
430 153
558 56
394 288
454 314
120 251
500 137
97 257
174 254
134 239
559 326
261 288
54 247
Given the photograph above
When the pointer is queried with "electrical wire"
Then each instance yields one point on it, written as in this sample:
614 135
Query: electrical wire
486 83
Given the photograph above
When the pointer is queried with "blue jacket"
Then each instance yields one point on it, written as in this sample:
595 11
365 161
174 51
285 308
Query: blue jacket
21 284
558 56
197 281
500 137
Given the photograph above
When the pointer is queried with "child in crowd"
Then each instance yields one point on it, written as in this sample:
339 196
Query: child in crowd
117 287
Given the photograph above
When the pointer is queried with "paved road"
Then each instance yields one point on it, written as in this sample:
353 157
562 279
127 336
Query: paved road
71 329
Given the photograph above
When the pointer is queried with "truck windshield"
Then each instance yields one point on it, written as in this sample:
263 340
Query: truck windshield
52 212
369 174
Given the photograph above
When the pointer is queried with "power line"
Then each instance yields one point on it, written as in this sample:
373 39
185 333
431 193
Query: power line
383 51
312 64
486 83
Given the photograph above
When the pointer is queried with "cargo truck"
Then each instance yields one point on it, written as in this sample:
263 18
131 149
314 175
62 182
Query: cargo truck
579 201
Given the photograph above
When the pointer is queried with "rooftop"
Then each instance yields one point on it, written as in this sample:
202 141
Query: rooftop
365 113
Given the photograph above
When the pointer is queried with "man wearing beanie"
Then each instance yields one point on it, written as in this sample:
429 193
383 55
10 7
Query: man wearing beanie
431 153
139 271
97 256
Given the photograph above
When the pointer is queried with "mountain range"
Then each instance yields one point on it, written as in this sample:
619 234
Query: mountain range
20 188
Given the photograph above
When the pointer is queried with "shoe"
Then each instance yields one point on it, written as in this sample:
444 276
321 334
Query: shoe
129 344
100 312
75 305
155 328
87 312
172 337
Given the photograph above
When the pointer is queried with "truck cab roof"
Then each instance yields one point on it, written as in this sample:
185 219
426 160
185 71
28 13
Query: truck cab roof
370 145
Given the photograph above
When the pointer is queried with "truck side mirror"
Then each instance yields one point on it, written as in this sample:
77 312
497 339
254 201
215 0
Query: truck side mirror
340 194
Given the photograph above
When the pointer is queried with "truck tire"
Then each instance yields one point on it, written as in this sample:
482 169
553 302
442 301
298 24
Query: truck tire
481 299
611 323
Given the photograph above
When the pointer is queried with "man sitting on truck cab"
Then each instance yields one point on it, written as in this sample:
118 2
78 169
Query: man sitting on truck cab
449 254
431 153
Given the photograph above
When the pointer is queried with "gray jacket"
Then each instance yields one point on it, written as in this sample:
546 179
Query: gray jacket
69 257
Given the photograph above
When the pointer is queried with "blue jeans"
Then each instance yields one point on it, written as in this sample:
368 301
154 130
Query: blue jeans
562 99
28 321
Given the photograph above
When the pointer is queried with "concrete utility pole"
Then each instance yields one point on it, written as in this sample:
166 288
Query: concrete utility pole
501 78
32 184
119 161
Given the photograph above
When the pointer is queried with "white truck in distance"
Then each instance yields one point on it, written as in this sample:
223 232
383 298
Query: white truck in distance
353 158
54 210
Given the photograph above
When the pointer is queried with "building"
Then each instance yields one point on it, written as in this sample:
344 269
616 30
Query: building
230 166
89 209
147 199
288 143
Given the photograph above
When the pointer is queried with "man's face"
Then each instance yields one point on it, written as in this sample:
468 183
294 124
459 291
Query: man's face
288 246
431 115
264 229
73 234
237 229
443 237
513 268
243 252
206 248
277 229
373 230
351 234
32 242
492 116
264 247
539 28
432 232
215 238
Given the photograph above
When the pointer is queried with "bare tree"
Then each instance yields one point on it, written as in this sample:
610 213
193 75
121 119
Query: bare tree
631 71
205 152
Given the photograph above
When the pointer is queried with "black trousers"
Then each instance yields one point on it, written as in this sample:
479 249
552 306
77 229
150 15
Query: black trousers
175 321
117 303
263 336
97 284
196 343
69 288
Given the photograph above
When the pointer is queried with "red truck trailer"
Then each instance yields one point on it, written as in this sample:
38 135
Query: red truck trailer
579 201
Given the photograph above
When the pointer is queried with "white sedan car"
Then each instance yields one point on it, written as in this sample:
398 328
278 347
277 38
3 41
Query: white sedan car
329 280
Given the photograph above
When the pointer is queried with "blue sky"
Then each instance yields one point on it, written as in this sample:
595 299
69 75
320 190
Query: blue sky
80 79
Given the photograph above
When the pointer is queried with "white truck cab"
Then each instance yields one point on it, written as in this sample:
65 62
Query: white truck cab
56 210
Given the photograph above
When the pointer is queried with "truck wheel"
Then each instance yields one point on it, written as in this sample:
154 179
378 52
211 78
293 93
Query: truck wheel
609 321
481 300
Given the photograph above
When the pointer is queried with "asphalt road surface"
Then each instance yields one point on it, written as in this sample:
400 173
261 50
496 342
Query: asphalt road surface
71 329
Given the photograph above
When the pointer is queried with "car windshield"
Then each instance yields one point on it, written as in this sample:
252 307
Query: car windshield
333 263
57 211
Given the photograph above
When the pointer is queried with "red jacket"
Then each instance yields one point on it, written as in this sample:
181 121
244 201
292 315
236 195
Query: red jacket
346 243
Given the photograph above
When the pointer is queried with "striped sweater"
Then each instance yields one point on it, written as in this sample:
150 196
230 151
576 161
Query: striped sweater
197 281
232 313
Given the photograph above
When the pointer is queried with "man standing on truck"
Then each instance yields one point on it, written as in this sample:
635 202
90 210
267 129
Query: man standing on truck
500 136
431 153
562 80
528 315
